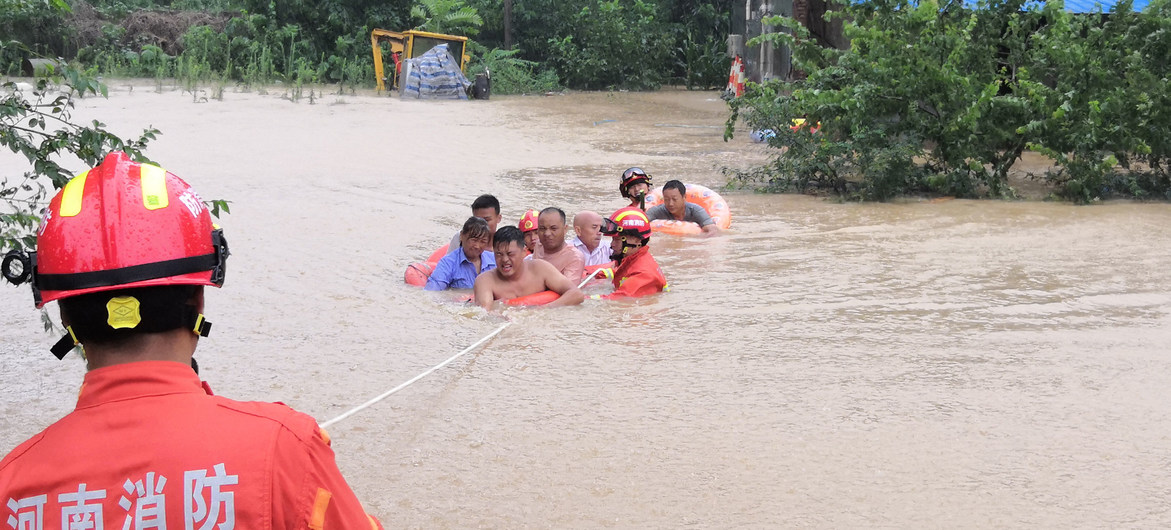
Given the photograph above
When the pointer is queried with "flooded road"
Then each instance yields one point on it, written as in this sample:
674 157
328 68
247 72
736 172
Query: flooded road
916 364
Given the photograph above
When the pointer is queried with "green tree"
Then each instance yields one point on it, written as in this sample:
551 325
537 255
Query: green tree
36 123
452 17
938 98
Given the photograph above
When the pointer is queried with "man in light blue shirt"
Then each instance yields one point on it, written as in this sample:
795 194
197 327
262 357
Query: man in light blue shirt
458 270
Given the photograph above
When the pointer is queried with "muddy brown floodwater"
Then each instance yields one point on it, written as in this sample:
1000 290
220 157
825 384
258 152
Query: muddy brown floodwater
914 364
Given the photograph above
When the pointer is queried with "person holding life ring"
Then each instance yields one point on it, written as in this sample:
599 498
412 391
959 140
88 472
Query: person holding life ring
635 184
515 277
675 207
528 227
458 270
565 257
486 207
637 273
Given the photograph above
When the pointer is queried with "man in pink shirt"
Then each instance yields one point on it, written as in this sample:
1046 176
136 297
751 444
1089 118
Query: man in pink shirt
565 258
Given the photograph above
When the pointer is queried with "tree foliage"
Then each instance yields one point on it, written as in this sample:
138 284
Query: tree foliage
452 17
934 97
36 123
589 44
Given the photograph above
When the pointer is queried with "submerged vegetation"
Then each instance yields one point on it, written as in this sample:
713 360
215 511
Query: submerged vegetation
594 44
937 98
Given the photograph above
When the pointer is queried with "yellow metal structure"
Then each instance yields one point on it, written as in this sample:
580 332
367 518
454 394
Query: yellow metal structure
410 44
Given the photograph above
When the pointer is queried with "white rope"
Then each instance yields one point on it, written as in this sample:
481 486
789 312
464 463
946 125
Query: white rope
590 277
384 395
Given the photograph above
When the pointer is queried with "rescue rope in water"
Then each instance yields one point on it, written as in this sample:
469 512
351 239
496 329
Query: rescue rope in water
475 345
588 278
384 395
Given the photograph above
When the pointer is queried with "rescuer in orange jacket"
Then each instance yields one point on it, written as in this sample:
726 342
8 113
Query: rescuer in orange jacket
636 272
125 249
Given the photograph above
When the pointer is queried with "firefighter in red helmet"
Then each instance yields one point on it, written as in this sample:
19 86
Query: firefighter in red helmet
528 227
636 273
125 249
635 185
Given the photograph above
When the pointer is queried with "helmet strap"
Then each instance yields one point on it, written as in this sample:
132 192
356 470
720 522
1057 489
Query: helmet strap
626 249
66 344
195 321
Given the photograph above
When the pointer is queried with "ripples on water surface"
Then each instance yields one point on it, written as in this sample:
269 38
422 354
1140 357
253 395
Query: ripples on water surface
961 363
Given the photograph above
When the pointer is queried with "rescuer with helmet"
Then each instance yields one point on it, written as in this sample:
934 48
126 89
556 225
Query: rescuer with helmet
635 184
636 273
528 227
126 249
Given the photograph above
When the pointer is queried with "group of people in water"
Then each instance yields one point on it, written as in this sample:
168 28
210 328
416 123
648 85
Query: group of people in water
511 262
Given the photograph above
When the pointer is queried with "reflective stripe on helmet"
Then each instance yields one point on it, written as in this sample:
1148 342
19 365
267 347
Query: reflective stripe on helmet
154 187
642 216
72 194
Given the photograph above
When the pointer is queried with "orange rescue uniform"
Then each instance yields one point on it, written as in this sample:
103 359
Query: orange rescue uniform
149 446
638 274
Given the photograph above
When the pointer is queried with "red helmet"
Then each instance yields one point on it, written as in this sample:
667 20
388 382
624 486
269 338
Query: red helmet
631 176
125 224
528 221
630 220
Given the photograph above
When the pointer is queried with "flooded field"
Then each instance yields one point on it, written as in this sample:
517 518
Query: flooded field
917 364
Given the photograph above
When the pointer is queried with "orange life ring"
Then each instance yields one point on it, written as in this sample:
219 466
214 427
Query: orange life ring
707 199
418 273
540 298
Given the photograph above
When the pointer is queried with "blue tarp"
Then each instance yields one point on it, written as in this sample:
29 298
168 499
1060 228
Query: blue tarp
1083 6
1073 6
1088 6
435 75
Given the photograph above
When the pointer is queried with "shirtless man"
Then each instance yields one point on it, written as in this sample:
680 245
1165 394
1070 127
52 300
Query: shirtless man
514 277
551 230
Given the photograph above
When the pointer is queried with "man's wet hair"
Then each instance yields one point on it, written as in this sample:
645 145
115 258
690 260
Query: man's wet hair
474 227
486 201
506 235
161 308
677 186
552 209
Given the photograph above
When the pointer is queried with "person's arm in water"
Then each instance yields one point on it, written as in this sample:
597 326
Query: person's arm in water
440 278
636 283
482 290
557 282
703 219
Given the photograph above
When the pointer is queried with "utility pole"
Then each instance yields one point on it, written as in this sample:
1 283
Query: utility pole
508 24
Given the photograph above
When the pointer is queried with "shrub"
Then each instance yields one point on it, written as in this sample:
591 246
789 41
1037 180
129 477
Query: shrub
938 98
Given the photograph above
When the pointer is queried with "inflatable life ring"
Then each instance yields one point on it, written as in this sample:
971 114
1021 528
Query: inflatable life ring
540 298
418 273
709 200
